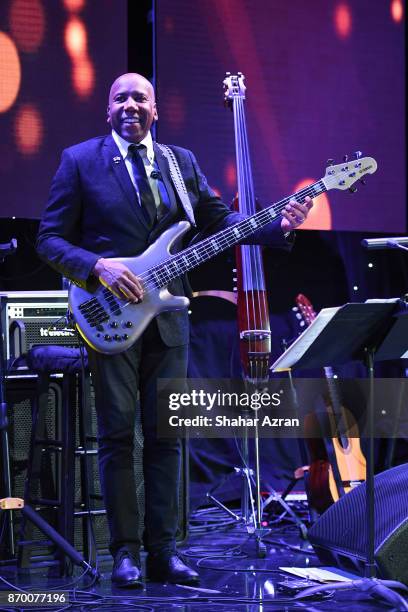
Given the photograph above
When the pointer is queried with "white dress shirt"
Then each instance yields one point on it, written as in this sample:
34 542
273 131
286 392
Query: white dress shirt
147 156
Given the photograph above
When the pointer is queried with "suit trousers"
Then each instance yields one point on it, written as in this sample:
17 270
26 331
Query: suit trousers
125 383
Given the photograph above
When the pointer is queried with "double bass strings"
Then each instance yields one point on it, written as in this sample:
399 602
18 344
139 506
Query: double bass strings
251 256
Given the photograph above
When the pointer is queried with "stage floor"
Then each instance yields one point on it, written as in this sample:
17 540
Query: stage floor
233 577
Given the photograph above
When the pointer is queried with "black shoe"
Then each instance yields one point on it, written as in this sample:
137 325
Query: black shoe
170 568
126 571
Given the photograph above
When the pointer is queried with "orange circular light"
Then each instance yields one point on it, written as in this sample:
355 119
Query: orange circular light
74 6
83 77
76 39
10 72
397 10
230 174
27 24
28 129
319 217
342 20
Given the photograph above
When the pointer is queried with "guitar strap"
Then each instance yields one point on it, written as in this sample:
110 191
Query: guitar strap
178 182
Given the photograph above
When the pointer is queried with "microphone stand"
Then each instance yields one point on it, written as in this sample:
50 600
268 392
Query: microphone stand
393 244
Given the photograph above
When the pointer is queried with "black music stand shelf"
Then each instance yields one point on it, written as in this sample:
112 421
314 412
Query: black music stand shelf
339 335
376 330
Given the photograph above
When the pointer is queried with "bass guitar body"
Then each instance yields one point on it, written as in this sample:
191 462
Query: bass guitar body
110 324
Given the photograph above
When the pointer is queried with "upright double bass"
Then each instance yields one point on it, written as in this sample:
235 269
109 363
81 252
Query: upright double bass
252 303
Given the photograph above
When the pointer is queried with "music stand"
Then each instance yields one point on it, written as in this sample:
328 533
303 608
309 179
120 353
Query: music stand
364 332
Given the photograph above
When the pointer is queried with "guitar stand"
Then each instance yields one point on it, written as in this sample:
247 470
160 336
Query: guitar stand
252 506
274 496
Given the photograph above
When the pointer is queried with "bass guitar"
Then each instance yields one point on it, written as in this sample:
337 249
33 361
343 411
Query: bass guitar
338 464
111 325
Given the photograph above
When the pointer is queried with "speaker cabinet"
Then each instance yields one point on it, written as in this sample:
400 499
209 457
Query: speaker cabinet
339 536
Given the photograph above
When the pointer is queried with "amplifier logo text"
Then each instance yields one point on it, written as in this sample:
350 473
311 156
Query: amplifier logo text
53 332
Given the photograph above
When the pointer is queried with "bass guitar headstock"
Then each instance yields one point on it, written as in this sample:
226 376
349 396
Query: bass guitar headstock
344 176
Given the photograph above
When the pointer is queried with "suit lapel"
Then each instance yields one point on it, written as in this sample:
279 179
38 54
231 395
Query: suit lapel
115 161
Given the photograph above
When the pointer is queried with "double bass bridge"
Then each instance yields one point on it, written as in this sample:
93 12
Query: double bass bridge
255 335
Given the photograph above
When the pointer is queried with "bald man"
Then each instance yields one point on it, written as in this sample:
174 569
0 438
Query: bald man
103 203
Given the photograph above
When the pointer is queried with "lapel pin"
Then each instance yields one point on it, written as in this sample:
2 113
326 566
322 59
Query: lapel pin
116 160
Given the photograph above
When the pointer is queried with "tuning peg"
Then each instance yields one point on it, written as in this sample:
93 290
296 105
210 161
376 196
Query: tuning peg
352 189
330 162
345 158
358 155
362 181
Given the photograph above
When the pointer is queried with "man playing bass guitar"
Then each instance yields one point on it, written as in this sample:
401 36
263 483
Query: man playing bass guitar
113 196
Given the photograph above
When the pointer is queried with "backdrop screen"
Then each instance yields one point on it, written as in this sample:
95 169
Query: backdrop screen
57 60
323 79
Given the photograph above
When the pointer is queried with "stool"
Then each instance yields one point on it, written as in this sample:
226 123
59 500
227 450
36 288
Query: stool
57 494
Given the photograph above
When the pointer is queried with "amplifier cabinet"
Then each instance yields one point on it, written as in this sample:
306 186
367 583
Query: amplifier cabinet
21 390
34 317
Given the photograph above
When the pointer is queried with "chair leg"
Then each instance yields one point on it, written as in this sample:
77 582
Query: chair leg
67 466
32 483
87 479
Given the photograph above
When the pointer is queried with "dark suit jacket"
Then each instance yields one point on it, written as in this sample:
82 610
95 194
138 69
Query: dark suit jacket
92 212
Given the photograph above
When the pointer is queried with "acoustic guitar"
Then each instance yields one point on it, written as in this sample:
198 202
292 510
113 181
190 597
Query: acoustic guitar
338 464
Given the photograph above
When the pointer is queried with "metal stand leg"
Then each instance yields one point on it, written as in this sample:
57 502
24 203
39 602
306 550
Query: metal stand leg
7 485
16 503
4 438
252 506
260 531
